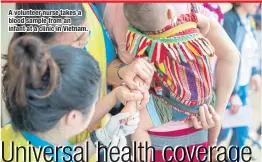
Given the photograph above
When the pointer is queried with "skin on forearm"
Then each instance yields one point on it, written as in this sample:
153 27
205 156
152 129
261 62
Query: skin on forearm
103 106
112 76
226 70
213 134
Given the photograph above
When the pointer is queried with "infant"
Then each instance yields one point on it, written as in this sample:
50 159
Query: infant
180 53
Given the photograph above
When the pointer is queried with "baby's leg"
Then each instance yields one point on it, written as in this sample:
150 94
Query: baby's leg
142 138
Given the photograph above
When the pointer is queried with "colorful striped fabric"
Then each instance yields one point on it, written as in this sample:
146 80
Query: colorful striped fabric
180 53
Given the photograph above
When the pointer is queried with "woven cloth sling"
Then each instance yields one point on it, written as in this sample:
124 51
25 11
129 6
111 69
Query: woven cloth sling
180 54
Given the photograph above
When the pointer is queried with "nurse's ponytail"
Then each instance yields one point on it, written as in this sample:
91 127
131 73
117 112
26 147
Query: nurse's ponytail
29 66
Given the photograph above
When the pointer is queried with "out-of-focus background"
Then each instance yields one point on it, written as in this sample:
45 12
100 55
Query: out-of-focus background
5 38
255 97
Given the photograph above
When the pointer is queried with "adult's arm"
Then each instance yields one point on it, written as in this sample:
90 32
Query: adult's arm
226 70
227 64
138 67
112 76
230 28
117 24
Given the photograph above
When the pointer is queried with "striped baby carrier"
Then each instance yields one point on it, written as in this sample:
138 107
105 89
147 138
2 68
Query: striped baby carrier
180 54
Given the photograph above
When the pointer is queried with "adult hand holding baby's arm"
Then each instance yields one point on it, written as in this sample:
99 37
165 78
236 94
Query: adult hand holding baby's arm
139 67
142 84
134 106
124 94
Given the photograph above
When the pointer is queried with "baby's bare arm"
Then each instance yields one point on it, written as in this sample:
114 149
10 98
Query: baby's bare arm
132 106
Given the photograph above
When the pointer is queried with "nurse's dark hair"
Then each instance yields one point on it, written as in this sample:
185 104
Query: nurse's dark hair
42 85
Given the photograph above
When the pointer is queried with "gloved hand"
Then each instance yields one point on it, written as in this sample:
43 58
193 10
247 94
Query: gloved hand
119 141
105 135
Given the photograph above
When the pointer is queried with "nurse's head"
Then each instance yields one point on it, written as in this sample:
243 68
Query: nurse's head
50 88
76 39
248 8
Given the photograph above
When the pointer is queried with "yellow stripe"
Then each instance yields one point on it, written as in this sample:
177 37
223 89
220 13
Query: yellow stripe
162 68
192 49
175 30
131 41
141 52
169 82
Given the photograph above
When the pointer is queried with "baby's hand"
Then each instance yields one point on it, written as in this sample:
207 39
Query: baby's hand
203 23
130 107
142 103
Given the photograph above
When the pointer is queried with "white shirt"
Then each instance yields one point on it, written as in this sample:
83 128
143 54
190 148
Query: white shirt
247 54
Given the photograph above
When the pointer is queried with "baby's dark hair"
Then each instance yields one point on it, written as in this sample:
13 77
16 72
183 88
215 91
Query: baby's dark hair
41 85
145 16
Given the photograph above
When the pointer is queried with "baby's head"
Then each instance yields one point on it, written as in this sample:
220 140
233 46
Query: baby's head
148 17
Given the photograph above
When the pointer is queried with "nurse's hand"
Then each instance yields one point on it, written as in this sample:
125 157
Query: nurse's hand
118 143
208 118
106 134
131 125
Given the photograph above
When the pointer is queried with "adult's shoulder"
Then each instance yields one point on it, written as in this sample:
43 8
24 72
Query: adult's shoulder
113 14
230 18
230 15
9 134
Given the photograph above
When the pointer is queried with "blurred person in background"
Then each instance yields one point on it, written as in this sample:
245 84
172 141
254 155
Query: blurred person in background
257 18
238 23
215 11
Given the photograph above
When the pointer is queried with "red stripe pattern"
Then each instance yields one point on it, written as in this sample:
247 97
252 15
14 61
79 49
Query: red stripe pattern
181 59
